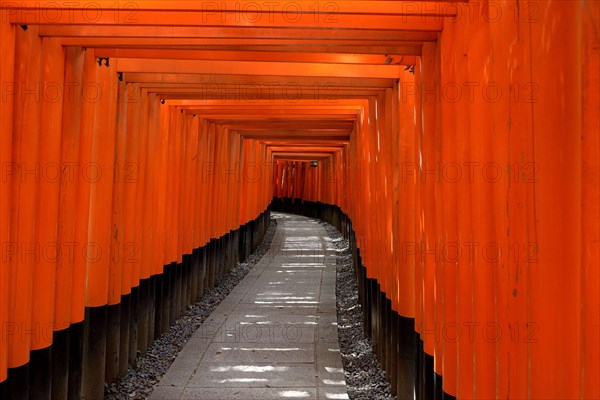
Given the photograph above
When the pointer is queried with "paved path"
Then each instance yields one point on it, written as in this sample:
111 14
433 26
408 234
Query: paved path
275 335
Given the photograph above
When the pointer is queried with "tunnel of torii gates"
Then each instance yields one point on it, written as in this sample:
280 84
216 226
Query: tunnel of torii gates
456 145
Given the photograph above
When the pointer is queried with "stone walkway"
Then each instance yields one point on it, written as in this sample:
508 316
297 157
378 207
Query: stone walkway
275 335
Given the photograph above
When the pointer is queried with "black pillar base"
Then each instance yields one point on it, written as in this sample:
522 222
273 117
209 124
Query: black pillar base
124 334
142 316
133 326
17 383
113 342
75 360
60 364
94 353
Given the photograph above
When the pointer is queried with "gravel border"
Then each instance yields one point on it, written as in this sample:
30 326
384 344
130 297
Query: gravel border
365 379
150 367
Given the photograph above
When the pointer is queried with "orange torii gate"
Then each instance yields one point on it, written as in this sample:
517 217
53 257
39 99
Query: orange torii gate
143 142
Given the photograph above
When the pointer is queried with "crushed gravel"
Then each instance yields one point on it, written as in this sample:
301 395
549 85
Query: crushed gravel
365 379
150 367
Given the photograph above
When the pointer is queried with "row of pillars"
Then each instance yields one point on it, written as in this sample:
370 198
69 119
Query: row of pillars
399 349
108 342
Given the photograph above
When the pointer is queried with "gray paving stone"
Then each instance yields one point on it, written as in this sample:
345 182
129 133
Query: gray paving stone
249 393
332 393
180 372
328 354
276 309
260 352
287 286
275 335
326 308
327 332
194 349
243 287
273 328
166 393
254 375
330 376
